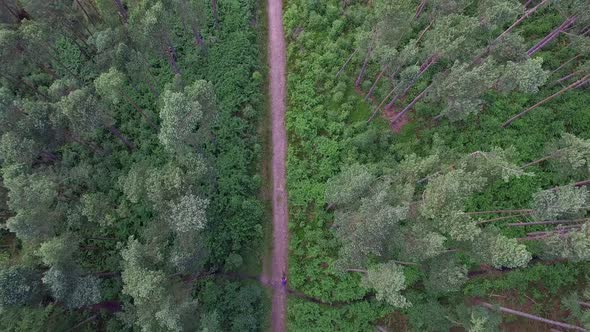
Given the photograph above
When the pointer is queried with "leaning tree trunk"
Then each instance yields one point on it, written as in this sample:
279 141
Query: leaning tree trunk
346 63
420 8
359 78
565 63
552 35
10 10
214 11
512 216
538 161
576 84
374 85
531 317
122 11
547 222
85 13
411 105
427 64
499 212
519 20
568 76
171 53
582 183
137 108
22 83
122 138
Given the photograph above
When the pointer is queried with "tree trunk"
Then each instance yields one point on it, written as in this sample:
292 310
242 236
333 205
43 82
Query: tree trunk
122 11
110 306
500 218
197 35
564 230
420 8
577 83
95 149
145 116
378 108
106 274
99 238
18 19
49 155
85 13
122 138
21 82
91 3
359 78
374 85
423 32
565 63
526 4
346 63
499 211
547 222
214 12
552 35
59 62
171 53
538 161
149 77
568 76
427 64
87 320
582 183
532 317
356 270
519 20
411 105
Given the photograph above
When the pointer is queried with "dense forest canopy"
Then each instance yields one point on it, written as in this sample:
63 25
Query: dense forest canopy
129 154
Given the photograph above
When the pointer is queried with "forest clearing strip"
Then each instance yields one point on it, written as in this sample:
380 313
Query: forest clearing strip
278 92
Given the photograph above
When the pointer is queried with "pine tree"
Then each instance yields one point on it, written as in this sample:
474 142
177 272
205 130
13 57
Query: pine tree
500 251
388 280
19 285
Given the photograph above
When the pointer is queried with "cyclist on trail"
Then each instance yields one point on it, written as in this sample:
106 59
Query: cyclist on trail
284 279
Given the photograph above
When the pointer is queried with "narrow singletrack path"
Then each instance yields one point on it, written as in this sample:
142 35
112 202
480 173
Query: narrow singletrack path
278 96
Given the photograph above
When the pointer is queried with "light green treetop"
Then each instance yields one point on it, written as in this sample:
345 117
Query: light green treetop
388 280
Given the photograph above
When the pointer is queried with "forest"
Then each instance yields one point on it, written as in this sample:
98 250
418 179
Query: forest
437 167
130 162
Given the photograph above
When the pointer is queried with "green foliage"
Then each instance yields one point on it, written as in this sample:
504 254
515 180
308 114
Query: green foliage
429 316
239 302
18 286
189 214
326 120
500 251
184 182
561 203
444 276
349 185
552 278
574 246
388 280
68 286
303 315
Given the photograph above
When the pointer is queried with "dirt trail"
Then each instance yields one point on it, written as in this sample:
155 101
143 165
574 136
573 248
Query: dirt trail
278 92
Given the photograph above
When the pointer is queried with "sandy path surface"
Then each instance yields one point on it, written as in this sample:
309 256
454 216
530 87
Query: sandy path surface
278 93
